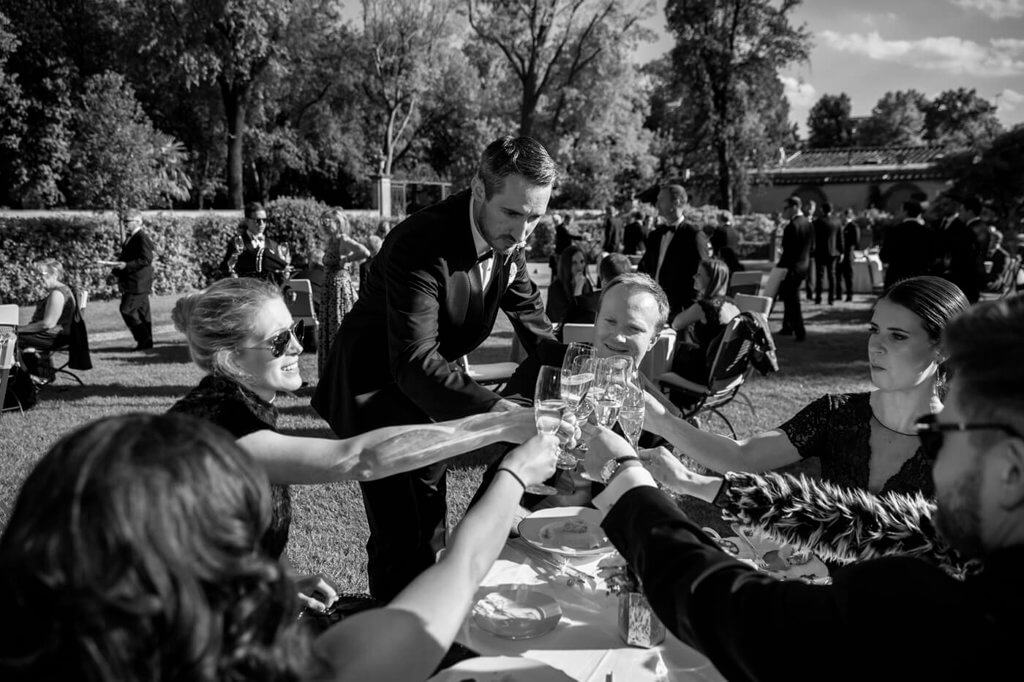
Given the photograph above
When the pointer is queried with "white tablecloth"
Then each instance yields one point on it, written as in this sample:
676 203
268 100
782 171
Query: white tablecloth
586 644
867 272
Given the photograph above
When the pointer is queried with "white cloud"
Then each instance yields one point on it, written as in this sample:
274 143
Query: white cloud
1008 100
799 92
995 9
1001 57
876 20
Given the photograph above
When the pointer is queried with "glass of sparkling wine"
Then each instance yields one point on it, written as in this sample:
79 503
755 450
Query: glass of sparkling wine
547 411
609 389
577 377
631 415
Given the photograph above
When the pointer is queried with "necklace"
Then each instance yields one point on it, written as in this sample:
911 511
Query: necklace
889 428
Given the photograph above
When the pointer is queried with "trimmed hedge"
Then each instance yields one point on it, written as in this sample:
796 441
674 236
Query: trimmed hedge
189 245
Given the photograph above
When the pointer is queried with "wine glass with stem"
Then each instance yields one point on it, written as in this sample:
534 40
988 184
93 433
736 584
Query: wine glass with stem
578 368
547 411
631 414
609 389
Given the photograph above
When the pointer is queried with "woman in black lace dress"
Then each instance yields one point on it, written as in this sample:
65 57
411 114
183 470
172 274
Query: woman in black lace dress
863 440
241 333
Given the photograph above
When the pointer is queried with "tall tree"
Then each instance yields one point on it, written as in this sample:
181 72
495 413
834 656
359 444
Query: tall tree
228 43
12 111
961 119
829 123
897 119
725 50
550 44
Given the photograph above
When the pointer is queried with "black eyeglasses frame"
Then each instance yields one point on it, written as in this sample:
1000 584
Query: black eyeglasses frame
932 432
280 341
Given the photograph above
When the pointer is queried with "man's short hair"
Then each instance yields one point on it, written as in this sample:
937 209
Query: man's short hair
974 341
639 281
509 156
678 194
826 208
973 204
794 202
252 208
613 265
913 209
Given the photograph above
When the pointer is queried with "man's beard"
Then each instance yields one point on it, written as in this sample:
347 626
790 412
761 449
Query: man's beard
958 516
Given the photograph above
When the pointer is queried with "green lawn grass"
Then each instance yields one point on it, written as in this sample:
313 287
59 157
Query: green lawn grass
329 530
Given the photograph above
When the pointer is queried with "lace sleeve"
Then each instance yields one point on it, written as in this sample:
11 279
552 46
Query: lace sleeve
808 428
838 524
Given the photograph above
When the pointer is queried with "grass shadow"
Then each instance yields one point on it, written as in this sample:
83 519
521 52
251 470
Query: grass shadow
74 392
161 354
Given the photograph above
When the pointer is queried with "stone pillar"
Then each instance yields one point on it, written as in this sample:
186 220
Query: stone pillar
382 195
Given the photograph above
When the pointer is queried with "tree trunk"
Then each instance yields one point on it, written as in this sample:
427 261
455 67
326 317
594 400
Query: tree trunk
724 175
234 109
528 108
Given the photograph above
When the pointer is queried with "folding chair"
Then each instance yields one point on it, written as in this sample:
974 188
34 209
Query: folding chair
8 342
728 372
745 282
753 304
298 297
75 343
772 284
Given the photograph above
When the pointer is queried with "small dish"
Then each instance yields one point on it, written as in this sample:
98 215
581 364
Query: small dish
572 531
516 612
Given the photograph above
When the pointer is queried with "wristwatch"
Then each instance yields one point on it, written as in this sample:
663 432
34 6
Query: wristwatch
612 466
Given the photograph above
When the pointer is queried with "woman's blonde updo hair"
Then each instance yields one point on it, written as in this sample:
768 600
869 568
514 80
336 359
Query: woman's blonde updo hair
50 268
334 223
219 319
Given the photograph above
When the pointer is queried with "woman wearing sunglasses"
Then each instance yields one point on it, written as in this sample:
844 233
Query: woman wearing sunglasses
240 332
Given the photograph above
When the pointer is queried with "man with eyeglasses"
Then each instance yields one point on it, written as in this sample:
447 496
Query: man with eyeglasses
251 253
896 617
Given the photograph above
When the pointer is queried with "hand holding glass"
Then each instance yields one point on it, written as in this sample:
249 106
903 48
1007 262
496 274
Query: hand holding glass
547 411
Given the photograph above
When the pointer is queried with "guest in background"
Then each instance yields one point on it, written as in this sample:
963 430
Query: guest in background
907 247
809 209
373 244
340 251
50 320
675 250
725 242
315 273
797 241
850 241
700 325
998 257
571 282
633 235
251 253
134 272
613 232
827 247
965 247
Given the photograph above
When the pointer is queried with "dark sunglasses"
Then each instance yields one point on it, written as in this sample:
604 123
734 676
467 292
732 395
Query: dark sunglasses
279 341
931 432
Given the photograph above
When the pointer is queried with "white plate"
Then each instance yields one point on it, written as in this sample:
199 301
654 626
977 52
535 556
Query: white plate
516 612
572 531
501 669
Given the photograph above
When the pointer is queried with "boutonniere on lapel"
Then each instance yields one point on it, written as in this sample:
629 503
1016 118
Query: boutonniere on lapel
511 275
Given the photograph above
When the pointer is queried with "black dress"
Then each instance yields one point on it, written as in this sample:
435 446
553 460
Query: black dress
836 428
696 349
239 411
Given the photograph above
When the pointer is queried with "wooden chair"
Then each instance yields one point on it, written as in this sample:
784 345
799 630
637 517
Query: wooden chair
745 282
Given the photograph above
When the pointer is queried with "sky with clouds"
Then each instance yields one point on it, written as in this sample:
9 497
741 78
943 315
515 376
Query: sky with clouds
866 48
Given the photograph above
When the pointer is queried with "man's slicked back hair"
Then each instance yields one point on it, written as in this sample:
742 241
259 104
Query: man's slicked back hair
509 156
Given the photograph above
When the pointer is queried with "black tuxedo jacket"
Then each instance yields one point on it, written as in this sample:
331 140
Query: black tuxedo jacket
421 309
797 240
136 277
828 238
262 263
753 627
686 250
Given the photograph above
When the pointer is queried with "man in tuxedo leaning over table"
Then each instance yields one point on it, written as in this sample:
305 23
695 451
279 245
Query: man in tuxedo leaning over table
432 297
918 621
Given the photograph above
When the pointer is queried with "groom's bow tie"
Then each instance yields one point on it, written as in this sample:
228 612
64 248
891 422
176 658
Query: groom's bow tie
486 257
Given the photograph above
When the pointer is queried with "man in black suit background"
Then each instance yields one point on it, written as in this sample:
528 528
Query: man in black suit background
432 297
675 250
797 240
827 247
251 253
134 272
850 241
907 248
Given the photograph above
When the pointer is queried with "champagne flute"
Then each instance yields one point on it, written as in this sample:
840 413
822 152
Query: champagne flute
609 389
631 415
547 411
578 369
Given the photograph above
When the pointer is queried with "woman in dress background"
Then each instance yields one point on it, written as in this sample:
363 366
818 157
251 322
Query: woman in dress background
51 318
865 440
701 323
570 283
339 294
